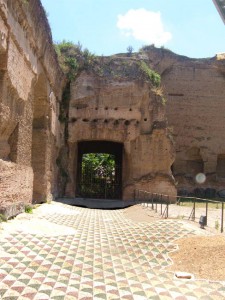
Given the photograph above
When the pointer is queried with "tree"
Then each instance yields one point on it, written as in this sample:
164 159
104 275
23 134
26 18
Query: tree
101 164
130 50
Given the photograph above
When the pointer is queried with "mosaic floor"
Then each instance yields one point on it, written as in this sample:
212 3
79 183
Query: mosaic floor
103 256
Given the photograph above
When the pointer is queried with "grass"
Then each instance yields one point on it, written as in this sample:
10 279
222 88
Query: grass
200 204
28 209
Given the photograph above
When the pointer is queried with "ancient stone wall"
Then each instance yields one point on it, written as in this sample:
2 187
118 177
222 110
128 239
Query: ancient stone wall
30 88
125 111
39 156
195 94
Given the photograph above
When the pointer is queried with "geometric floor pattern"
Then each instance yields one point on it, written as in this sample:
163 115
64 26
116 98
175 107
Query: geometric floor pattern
108 257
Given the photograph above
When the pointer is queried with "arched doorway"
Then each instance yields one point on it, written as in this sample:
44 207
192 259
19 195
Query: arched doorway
99 170
194 162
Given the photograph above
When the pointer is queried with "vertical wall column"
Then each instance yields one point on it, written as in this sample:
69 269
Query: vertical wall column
41 142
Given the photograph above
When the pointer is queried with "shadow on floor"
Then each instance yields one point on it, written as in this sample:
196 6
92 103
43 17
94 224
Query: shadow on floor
97 203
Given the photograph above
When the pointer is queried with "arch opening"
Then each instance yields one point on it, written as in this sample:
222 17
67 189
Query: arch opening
194 162
99 170
220 167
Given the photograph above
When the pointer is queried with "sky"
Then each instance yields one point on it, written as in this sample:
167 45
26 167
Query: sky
192 27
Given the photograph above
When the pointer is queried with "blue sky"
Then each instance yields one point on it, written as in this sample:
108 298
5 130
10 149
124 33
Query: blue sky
192 27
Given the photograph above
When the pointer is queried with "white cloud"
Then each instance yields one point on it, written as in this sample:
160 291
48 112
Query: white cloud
144 25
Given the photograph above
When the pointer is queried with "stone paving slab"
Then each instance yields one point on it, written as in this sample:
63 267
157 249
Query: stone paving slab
64 252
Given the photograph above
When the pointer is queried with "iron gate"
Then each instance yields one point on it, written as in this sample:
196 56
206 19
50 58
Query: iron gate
99 183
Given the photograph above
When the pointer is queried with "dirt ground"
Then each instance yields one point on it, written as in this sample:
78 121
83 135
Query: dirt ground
203 256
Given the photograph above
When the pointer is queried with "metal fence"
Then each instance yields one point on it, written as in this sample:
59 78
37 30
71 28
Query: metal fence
99 182
162 204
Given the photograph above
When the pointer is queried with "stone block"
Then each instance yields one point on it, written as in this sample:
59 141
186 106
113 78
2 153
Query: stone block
12 210
184 275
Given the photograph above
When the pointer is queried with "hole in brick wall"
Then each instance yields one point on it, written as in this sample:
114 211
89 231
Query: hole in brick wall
81 106
116 108
73 120
127 122
106 108
96 108
116 122
194 163
106 121
220 167
85 120
145 119
194 167
130 109
95 120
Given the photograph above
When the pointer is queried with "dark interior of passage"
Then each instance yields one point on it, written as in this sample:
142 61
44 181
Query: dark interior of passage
99 170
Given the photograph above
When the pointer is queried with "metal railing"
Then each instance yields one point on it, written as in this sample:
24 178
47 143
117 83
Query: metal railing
160 203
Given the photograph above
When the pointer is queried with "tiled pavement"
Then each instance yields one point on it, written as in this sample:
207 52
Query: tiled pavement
102 255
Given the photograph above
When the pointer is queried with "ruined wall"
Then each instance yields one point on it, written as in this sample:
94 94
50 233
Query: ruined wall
125 111
195 94
115 108
30 88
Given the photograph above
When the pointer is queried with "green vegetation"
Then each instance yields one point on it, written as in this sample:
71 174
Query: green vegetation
147 48
153 76
102 163
200 204
28 209
217 225
73 59
98 174
2 218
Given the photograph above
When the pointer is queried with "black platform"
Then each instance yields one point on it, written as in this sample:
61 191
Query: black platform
97 203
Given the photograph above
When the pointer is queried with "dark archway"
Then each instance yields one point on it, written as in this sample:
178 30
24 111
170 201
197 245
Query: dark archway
220 167
99 182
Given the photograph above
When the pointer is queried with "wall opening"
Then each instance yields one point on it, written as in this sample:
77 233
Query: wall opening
194 163
220 167
99 170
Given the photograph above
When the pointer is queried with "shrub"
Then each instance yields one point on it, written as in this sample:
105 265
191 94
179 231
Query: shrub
153 76
73 59
130 50
28 209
